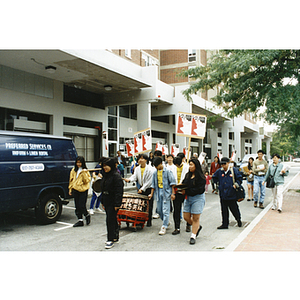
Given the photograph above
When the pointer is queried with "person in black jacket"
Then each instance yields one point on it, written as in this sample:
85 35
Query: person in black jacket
228 197
112 193
195 201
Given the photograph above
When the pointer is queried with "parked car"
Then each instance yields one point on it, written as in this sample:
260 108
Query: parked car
244 162
296 159
34 173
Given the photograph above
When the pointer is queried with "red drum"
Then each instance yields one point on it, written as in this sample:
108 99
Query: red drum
134 209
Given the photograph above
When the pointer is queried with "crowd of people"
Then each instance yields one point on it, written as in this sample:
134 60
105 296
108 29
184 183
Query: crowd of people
176 185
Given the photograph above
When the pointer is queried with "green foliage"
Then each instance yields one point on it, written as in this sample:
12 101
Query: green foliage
248 80
285 143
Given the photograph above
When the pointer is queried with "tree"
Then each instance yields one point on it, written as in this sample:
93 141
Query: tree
248 80
284 143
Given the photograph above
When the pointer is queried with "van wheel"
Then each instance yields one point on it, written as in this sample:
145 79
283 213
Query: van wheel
49 209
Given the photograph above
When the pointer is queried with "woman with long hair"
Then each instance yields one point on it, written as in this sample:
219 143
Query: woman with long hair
112 193
79 185
250 179
195 200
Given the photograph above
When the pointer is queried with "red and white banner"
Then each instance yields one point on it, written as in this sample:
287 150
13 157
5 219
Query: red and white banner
159 146
202 157
174 149
162 147
130 147
165 149
191 125
142 141
105 137
219 155
233 155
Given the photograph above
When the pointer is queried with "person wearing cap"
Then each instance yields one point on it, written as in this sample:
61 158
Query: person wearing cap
260 168
228 198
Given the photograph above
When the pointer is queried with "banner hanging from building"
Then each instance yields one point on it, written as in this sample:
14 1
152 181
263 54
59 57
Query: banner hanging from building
191 125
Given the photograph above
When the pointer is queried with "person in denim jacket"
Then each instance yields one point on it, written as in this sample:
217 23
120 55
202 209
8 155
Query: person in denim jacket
277 170
163 183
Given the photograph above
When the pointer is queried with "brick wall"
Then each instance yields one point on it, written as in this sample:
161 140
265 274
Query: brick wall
169 75
169 57
154 53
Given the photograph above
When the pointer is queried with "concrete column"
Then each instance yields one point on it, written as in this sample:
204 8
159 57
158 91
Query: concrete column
143 115
213 142
225 141
268 148
56 124
237 145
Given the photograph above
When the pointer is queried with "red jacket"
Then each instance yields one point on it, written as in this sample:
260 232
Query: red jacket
214 168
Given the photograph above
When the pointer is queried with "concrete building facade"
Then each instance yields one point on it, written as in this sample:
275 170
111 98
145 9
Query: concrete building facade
82 93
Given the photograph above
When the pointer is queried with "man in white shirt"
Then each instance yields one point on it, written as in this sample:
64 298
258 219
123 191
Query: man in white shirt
143 177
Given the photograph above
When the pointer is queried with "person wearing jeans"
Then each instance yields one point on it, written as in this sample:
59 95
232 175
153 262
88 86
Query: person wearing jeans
163 183
260 168
278 171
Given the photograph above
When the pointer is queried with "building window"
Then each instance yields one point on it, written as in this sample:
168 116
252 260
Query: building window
124 111
112 110
231 135
219 134
128 111
128 53
147 60
192 55
163 119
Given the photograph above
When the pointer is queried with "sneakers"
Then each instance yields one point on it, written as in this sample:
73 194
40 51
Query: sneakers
78 224
273 207
176 231
155 216
99 210
109 245
192 241
200 227
222 227
239 222
279 210
91 211
261 205
162 230
255 204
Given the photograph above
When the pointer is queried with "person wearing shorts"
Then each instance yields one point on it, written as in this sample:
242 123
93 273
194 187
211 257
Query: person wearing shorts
195 200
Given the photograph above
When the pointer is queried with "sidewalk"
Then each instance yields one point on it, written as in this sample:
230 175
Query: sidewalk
277 231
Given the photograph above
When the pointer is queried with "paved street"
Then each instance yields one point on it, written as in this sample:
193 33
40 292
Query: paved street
19 231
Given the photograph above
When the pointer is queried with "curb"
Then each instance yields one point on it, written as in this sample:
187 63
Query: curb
235 243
